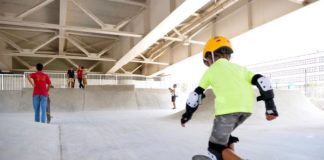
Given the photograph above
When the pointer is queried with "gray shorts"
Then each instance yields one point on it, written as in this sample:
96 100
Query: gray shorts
224 125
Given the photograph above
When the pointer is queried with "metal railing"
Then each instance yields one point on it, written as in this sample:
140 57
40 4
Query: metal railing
60 80
305 73
11 81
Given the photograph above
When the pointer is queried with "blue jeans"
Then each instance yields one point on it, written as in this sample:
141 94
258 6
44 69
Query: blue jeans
40 105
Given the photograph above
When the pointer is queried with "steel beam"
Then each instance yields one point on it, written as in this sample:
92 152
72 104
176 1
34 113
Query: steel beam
105 50
126 21
21 61
85 45
57 56
69 28
63 13
130 3
149 62
48 62
302 2
45 43
138 67
73 63
90 14
93 66
24 39
93 35
183 40
124 70
30 11
27 29
10 42
185 10
78 46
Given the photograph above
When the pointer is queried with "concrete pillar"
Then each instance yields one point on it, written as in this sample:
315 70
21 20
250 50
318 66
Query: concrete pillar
5 61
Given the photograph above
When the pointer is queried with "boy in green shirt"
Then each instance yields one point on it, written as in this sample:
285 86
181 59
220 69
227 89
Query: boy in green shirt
232 86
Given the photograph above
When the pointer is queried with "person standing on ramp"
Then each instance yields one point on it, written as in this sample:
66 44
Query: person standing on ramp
41 83
173 95
79 76
232 86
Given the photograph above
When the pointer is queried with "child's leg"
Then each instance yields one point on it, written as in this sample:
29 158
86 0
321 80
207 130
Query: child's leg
228 154
223 126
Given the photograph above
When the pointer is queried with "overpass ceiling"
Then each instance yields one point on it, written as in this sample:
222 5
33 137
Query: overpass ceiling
95 32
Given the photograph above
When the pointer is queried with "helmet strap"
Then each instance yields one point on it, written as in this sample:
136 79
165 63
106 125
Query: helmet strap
213 57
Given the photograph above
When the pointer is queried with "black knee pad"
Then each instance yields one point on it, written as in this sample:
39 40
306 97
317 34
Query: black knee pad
216 149
232 140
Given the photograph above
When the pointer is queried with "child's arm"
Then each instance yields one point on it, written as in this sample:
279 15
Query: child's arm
193 102
267 95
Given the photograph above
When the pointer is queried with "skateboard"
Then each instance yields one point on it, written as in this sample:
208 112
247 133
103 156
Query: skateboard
200 157
48 111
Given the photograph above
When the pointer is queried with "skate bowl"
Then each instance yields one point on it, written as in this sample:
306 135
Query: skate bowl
93 98
146 131
293 107
153 98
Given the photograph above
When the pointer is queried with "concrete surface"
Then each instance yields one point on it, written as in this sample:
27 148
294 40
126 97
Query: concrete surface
153 98
119 97
145 134
318 102
9 101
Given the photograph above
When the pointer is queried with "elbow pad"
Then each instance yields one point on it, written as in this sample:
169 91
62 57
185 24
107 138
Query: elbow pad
266 93
193 101
195 97
264 86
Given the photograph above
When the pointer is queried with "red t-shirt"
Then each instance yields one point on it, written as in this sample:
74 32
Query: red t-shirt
40 81
79 73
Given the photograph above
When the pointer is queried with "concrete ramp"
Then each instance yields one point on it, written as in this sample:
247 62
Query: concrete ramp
93 98
205 110
62 99
110 97
9 101
153 98
293 107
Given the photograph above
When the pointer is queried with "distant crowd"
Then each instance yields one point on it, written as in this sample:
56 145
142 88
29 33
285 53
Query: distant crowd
81 76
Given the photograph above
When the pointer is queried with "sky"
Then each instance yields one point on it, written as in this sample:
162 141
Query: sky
297 33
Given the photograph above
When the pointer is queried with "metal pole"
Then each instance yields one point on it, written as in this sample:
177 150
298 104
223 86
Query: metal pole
24 81
100 76
305 88
64 81
1 81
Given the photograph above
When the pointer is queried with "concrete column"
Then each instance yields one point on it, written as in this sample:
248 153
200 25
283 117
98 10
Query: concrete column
5 61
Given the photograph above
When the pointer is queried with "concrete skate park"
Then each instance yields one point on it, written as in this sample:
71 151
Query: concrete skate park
127 123
133 51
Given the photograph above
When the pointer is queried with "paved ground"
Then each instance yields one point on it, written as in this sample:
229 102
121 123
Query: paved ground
144 134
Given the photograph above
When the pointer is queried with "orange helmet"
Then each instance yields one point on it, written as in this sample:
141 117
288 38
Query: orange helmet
216 43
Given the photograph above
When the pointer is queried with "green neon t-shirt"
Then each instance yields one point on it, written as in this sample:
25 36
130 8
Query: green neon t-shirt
231 85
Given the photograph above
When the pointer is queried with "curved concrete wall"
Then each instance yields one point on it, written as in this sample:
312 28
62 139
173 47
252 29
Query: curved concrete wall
109 97
294 108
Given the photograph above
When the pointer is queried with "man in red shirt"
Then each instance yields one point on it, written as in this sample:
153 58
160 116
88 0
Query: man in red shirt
41 83
80 76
